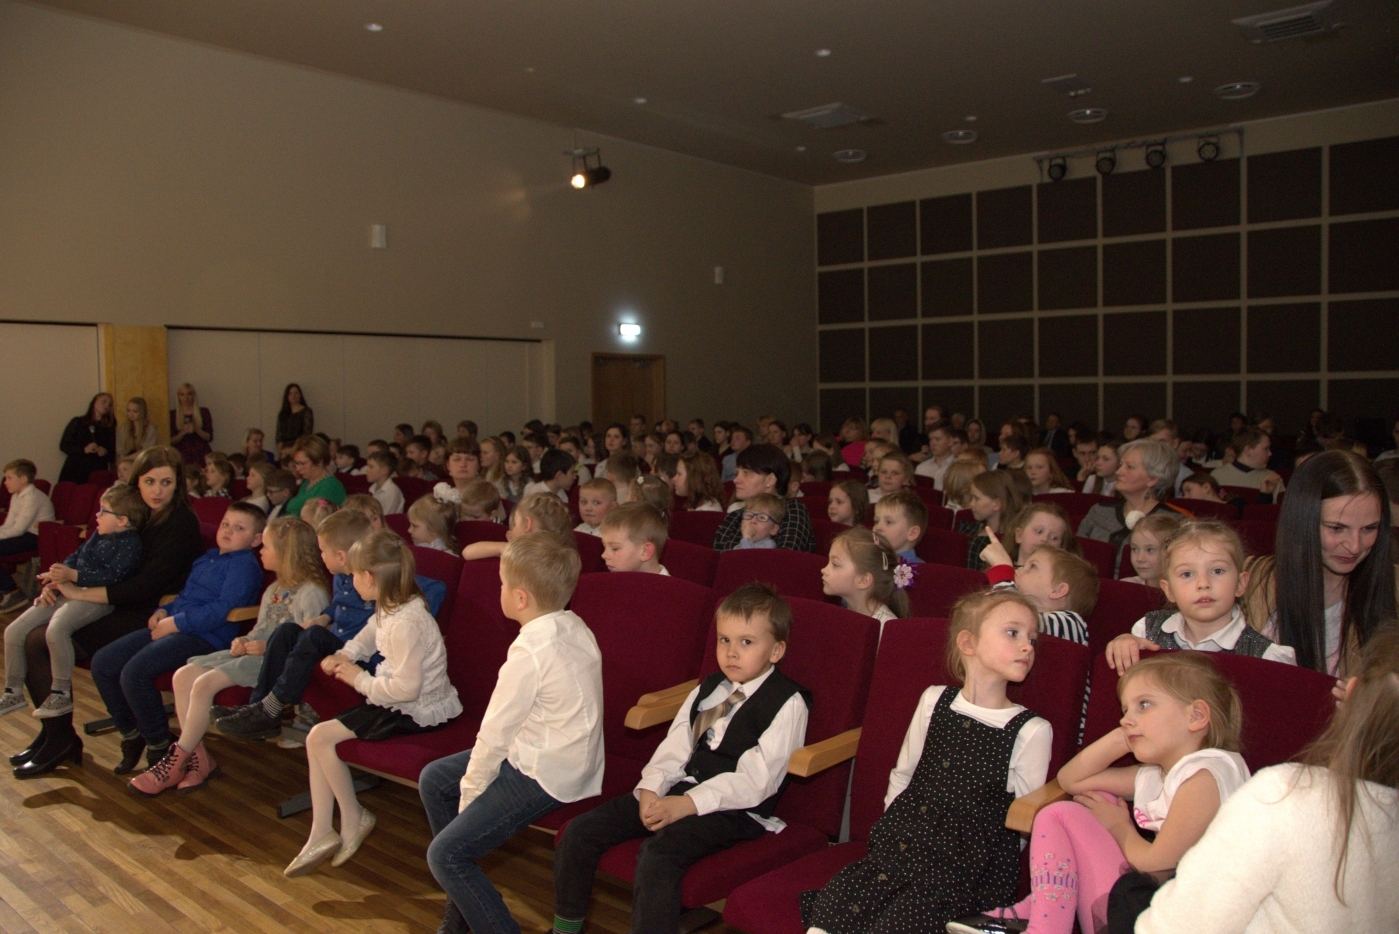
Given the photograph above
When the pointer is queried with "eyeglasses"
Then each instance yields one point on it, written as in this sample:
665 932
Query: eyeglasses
757 517
104 511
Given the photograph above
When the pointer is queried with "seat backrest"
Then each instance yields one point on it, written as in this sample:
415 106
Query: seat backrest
940 517
931 496
936 587
1075 504
1101 555
1120 604
43 485
102 478
1269 512
590 552
697 528
469 532
943 546
831 654
1247 494
442 566
1054 690
1284 707
399 523
817 505
62 493
1204 507
81 505
210 509
56 542
91 520
1259 535
791 573
478 634
690 562
413 488
353 483
817 488
823 532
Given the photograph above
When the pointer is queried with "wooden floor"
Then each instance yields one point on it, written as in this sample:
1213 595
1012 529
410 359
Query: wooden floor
79 853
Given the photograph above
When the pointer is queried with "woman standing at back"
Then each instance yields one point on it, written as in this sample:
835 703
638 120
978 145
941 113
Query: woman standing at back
191 426
89 440
295 419
136 432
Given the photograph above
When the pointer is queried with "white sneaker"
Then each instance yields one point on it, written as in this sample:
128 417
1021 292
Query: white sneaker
10 701
55 705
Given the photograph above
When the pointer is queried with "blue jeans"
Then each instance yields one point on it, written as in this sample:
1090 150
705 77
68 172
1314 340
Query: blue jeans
511 803
125 672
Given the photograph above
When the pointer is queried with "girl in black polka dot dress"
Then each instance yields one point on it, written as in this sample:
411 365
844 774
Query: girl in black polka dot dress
942 850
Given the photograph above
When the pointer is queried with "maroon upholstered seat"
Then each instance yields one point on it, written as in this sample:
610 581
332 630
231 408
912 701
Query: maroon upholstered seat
413 488
353 483
399 523
688 561
1120 604
936 587
1258 535
1075 504
816 488
56 542
940 517
469 532
1268 512
1247 494
210 509
931 496
1203 507
824 531
943 546
697 528
590 551
442 566
817 505
792 573
1101 555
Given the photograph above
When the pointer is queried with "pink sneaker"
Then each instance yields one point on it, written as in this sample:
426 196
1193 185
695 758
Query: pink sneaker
201 768
164 775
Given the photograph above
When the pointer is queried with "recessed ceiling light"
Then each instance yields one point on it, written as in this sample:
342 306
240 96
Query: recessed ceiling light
638 100
529 71
849 155
1088 115
374 27
1237 90
1185 79
959 137
801 149
823 53
970 118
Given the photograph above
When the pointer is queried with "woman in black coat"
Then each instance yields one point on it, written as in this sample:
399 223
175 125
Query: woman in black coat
295 418
170 542
89 440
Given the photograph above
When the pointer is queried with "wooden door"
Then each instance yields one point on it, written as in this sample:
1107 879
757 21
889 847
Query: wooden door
628 384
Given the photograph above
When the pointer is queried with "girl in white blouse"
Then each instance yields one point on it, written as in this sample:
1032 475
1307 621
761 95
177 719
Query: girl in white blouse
409 692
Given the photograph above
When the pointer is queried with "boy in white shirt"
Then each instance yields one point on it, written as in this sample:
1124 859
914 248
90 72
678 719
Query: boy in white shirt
940 453
596 498
379 468
540 741
19 533
556 469
633 537
711 784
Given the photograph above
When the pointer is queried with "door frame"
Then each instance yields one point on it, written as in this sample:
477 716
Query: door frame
608 355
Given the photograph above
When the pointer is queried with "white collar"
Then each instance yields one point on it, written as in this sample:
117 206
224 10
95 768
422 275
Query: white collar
751 687
1225 638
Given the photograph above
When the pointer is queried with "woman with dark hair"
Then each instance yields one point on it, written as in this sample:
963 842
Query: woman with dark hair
170 542
296 418
1330 581
89 440
615 440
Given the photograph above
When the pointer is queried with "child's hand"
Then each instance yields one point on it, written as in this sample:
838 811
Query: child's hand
155 619
47 597
255 646
165 627
1108 810
1342 690
239 647
330 663
995 554
667 811
323 620
1126 650
645 802
347 671
1269 483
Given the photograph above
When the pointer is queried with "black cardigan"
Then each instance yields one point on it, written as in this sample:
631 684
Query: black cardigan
78 435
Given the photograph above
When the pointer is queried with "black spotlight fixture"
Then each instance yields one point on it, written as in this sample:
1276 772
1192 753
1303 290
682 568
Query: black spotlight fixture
1156 155
1208 150
1107 162
588 170
1058 168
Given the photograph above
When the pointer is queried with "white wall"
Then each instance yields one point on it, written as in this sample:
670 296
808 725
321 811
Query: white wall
359 386
48 374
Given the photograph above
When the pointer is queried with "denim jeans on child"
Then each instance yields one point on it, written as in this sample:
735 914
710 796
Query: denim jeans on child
125 672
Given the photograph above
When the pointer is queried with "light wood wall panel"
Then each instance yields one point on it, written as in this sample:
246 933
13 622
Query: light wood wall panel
48 374
134 365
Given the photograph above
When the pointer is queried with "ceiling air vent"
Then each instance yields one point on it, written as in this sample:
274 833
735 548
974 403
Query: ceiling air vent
1291 23
829 116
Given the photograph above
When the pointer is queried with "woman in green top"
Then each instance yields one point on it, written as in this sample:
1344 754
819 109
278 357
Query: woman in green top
311 461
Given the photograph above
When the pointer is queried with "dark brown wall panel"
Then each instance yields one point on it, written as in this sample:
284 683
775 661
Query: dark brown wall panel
1284 338
1007 348
947 351
1204 405
951 398
893 291
894 354
1134 203
1069 346
947 287
1121 400
840 296
1205 269
1284 186
1004 283
839 404
1134 273
1206 340
1003 217
1284 261
945 224
843 356
1073 401
1068 210
1134 344
1364 335
1365 255
1364 398
885 399
999 403
840 237
892 230
1205 194
1363 176
1068 278
1289 401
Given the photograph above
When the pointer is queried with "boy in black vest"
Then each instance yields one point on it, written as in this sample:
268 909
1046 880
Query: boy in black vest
712 783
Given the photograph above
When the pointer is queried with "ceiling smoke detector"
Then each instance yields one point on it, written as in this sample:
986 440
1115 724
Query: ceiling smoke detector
1088 115
959 137
1237 90
849 156
828 116
1292 23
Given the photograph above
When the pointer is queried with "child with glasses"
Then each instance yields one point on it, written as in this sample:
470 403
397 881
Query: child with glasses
762 518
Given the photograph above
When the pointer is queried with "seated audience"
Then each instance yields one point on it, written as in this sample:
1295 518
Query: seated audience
1252 450
863 571
900 519
1148 546
1045 475
762 519
763 468
19 533
633 537
995 501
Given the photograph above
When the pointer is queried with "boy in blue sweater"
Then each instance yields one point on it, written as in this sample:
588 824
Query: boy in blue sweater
223 579
293 653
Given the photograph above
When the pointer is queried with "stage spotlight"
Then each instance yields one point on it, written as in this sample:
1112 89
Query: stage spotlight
1156 155
1107 162
1058 168
1208 150
588 170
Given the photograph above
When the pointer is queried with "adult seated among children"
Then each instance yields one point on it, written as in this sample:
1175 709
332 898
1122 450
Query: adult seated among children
763 468
1252 449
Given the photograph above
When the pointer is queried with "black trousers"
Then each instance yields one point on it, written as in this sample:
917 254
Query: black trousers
290 660
660 866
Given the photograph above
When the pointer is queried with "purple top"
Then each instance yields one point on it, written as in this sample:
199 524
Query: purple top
192 446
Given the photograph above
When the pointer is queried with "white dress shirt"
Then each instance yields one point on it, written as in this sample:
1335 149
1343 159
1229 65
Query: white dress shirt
545 714
1222 640
388 494
539 486
28 508
930 467
1029 757
761 770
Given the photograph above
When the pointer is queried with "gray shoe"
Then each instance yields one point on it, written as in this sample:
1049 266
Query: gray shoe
10 701
55 705
14 600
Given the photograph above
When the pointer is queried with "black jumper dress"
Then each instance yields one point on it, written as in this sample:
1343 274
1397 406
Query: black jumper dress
942 850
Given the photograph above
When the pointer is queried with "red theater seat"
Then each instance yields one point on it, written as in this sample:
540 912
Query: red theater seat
697 528
694 563
1120 604
943 546
1101 555
1203 507
936 587
470 532
792 573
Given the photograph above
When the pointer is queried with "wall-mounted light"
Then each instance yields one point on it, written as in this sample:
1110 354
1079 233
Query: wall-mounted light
1058 168
588 170
629 331
1156 155
1208 150
1106 162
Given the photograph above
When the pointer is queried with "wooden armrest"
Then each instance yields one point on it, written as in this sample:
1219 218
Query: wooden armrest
242 614
818 757
640 717
168 599
667 694
1021 815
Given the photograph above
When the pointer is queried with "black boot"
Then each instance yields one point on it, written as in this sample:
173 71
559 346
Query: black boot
155 753
24 755
54 753
131 750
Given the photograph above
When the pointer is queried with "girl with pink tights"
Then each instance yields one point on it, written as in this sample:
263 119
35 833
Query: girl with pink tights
1180 719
